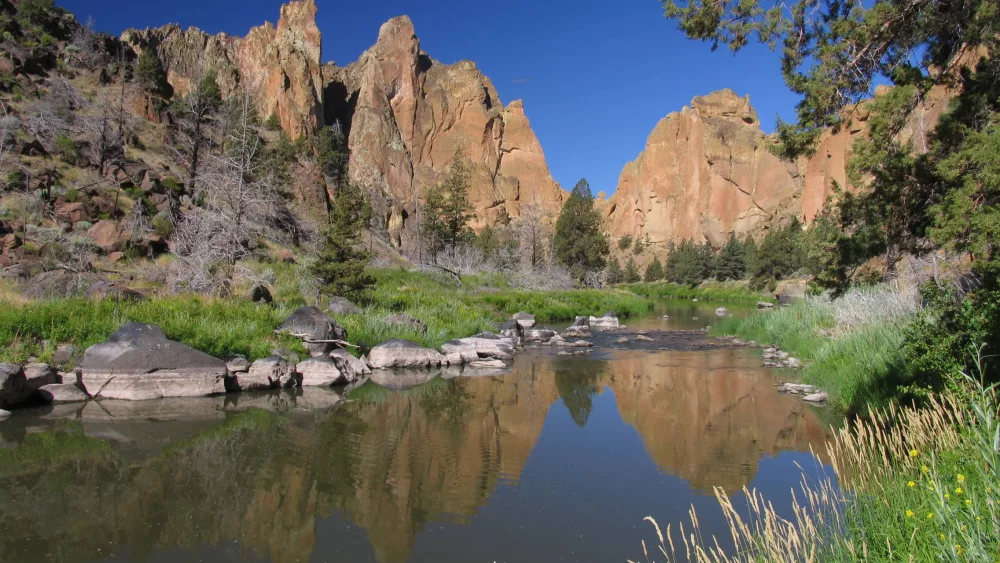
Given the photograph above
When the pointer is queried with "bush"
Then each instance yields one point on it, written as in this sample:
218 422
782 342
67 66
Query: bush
625 242
66 147
163 225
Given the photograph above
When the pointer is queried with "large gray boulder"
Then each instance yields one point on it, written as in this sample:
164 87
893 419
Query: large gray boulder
14 388
139 362
526 320
403 354
39 375
319 372
62 393
267 373
342 306
541 335
352 368
512 329
483 345
579 329
315 329
608 320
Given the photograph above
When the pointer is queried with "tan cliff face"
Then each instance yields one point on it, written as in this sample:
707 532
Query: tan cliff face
411 115
706 172
405 114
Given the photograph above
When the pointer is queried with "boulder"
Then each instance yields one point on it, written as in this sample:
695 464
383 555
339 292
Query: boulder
540 335
14 388
579 329
39 375
577 344
622 340
607 321
526 320
721 312
820 397
65 354
342 306
352 368
797 389
108 235
69 378
57 393
512 329
403 354
457 352
272 372
319 372
313 327
139 362
239 364
260 294
643 338
765 305
484 345
406 321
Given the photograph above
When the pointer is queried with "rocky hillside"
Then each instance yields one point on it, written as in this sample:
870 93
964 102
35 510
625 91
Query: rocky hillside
405 115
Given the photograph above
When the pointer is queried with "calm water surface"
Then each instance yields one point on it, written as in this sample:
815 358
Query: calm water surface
557 460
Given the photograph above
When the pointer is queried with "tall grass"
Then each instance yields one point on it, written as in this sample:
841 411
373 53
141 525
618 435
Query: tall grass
908 485
227 327
852 347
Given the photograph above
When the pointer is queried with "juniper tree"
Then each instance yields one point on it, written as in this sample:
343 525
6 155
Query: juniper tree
342 261
615 273
579 243
448 211
654 271
730 263
631 274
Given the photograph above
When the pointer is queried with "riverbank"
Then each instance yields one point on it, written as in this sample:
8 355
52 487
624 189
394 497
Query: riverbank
239 327
908 483
852 347
723 292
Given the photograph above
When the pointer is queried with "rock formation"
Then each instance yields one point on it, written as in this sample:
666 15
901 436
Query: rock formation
706 172
405 115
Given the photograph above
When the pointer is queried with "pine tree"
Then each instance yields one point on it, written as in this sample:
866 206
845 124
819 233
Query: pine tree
579 243
779 255
632 272
730 264
615 273
690 263
150 74
343 259
448 211
654 271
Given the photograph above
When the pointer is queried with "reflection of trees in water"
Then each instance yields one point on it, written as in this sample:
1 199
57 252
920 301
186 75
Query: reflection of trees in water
577 381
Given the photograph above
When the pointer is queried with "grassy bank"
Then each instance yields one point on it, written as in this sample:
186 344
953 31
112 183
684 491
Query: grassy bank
725 292
852 347
226 327
908 485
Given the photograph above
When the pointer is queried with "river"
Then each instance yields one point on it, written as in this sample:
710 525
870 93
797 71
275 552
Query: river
558 459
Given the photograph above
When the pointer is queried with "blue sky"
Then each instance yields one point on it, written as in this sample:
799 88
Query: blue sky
595 75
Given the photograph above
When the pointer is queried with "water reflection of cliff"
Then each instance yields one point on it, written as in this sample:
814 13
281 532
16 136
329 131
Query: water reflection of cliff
706 420
392 462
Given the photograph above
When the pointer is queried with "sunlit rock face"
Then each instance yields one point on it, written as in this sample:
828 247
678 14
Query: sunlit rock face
706 172
405 114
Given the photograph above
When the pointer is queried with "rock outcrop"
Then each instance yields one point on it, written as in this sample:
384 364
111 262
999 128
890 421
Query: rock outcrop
281 64
408 116
138 362
706 172
405 115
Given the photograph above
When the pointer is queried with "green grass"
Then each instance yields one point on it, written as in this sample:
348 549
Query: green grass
858 368
727 292
227 327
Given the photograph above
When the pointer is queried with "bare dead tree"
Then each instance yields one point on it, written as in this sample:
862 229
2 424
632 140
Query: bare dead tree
191 133
533 231
237 198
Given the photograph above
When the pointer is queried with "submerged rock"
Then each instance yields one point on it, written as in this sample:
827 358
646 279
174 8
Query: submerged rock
526 320
403 354
139 362
643 338
58 393
721 312
607 321
820 397
797 388
488 364
538 335
765 305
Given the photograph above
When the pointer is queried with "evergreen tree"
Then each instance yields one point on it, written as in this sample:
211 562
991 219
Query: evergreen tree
343 259
150 74
669 269
625 242
654 271
730 264
579 243
331 153
615 273
779 255
689 264
632 272
448 211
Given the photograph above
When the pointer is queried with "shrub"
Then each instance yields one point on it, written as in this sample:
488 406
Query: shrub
66 147
163 225
625 242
